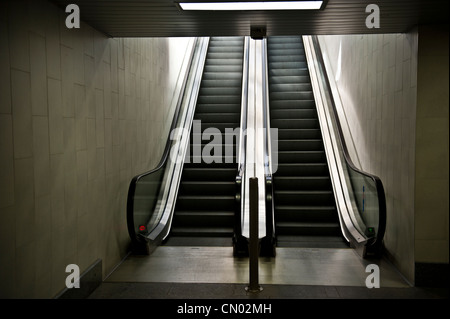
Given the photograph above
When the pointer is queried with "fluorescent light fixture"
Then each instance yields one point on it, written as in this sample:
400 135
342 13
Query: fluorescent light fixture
261 5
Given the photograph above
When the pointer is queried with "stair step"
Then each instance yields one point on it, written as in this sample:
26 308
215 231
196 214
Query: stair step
301 145
199 218
202 231
283 197
284 45
302 169
206 188
225 127
216 117
232 54
288 79
302 183
211 162
288 65
297 55
221 91
292 104
301 157
287 72
216 83
293 114
219 72
219 99
218 108
296 96
312 241
290 87
200 174
317 229
224 62
298 210
205 203
295 123
309 214
293 133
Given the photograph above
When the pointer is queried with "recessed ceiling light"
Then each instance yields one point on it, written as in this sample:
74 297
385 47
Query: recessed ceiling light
261 5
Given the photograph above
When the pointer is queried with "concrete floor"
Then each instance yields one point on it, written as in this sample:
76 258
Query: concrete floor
213 273
291 266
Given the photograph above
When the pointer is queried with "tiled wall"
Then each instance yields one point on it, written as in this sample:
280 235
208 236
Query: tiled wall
378 87
80 115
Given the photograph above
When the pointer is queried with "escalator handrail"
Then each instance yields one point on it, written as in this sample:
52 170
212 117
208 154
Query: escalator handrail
269 208
379 185
132 187
240 177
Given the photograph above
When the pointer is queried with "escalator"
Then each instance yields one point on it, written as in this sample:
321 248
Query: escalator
305 211
316 197
205 207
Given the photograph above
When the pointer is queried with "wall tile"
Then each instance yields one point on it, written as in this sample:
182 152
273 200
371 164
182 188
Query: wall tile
74 109
24 208
8 249
41 158
67 76
99 118
52 42
18 35
7 160
5 79
57 190
38 71
55 116
21 110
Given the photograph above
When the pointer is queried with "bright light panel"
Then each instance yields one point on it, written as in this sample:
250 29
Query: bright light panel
263 5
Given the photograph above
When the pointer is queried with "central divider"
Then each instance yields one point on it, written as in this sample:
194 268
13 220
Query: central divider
255 135
254 240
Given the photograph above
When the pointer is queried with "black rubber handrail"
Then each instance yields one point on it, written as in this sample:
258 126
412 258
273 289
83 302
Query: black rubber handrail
268 242
374 245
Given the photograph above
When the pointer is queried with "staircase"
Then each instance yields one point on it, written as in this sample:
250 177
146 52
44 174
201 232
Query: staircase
305 209
204 211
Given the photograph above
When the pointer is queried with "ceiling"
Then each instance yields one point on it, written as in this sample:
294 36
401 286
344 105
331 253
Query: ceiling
162 18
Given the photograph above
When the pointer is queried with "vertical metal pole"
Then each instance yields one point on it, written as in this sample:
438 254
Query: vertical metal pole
254 238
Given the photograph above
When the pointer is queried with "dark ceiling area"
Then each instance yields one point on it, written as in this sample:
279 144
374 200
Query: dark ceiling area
163 18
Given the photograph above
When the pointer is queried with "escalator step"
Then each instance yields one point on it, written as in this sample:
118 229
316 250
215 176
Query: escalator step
202 231
299 96
198 218
290 87
308 228
302 157
295 123
302 182
293 133
312 241
292 104
206 188
199 173
304 145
